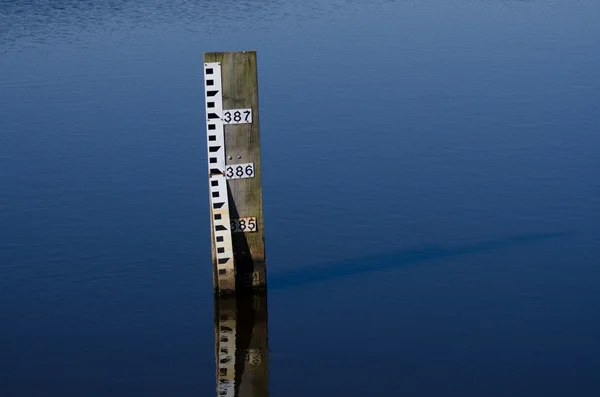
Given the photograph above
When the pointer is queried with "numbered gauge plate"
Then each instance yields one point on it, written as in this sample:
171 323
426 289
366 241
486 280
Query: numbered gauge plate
244 225
239 171
237 116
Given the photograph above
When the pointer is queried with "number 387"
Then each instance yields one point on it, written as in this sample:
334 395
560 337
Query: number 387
238 116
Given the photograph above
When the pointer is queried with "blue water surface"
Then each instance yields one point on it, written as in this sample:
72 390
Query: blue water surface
431 173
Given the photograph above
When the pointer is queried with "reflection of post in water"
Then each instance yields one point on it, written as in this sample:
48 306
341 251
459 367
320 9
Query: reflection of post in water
241 345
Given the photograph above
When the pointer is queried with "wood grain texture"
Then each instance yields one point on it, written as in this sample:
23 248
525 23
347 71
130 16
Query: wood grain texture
242 145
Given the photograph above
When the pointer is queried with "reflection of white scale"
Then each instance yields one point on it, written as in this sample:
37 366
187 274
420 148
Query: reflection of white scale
220 172
241 345
226 356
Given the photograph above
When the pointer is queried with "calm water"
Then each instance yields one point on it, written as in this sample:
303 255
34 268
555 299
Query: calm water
431 187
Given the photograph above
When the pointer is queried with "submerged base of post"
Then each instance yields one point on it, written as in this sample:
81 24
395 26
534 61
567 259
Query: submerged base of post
241 345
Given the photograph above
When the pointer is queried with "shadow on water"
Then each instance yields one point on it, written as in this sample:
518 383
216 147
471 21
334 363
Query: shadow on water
241 326
372 264
241 345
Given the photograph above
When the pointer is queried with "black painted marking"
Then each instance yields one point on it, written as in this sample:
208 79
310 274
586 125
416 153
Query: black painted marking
213 116
223 261
210 82
212 137
212 127
214 171
215 194
225 360
217 206
209 71
220 239
210 104
211 93
223 371
214 183
221 250
225 328
213 149
213 160
217 216
222 272
220 228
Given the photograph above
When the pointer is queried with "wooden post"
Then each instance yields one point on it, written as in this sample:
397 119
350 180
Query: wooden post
241 345
235 178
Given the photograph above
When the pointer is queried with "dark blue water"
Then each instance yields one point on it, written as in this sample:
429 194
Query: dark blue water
431 188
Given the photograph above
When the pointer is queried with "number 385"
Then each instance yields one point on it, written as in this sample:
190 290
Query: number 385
243 225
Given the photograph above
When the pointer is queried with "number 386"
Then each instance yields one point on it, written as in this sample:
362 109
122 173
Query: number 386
240 171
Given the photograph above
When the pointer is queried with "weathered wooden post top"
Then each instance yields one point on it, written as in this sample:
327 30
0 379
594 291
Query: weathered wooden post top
233 141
